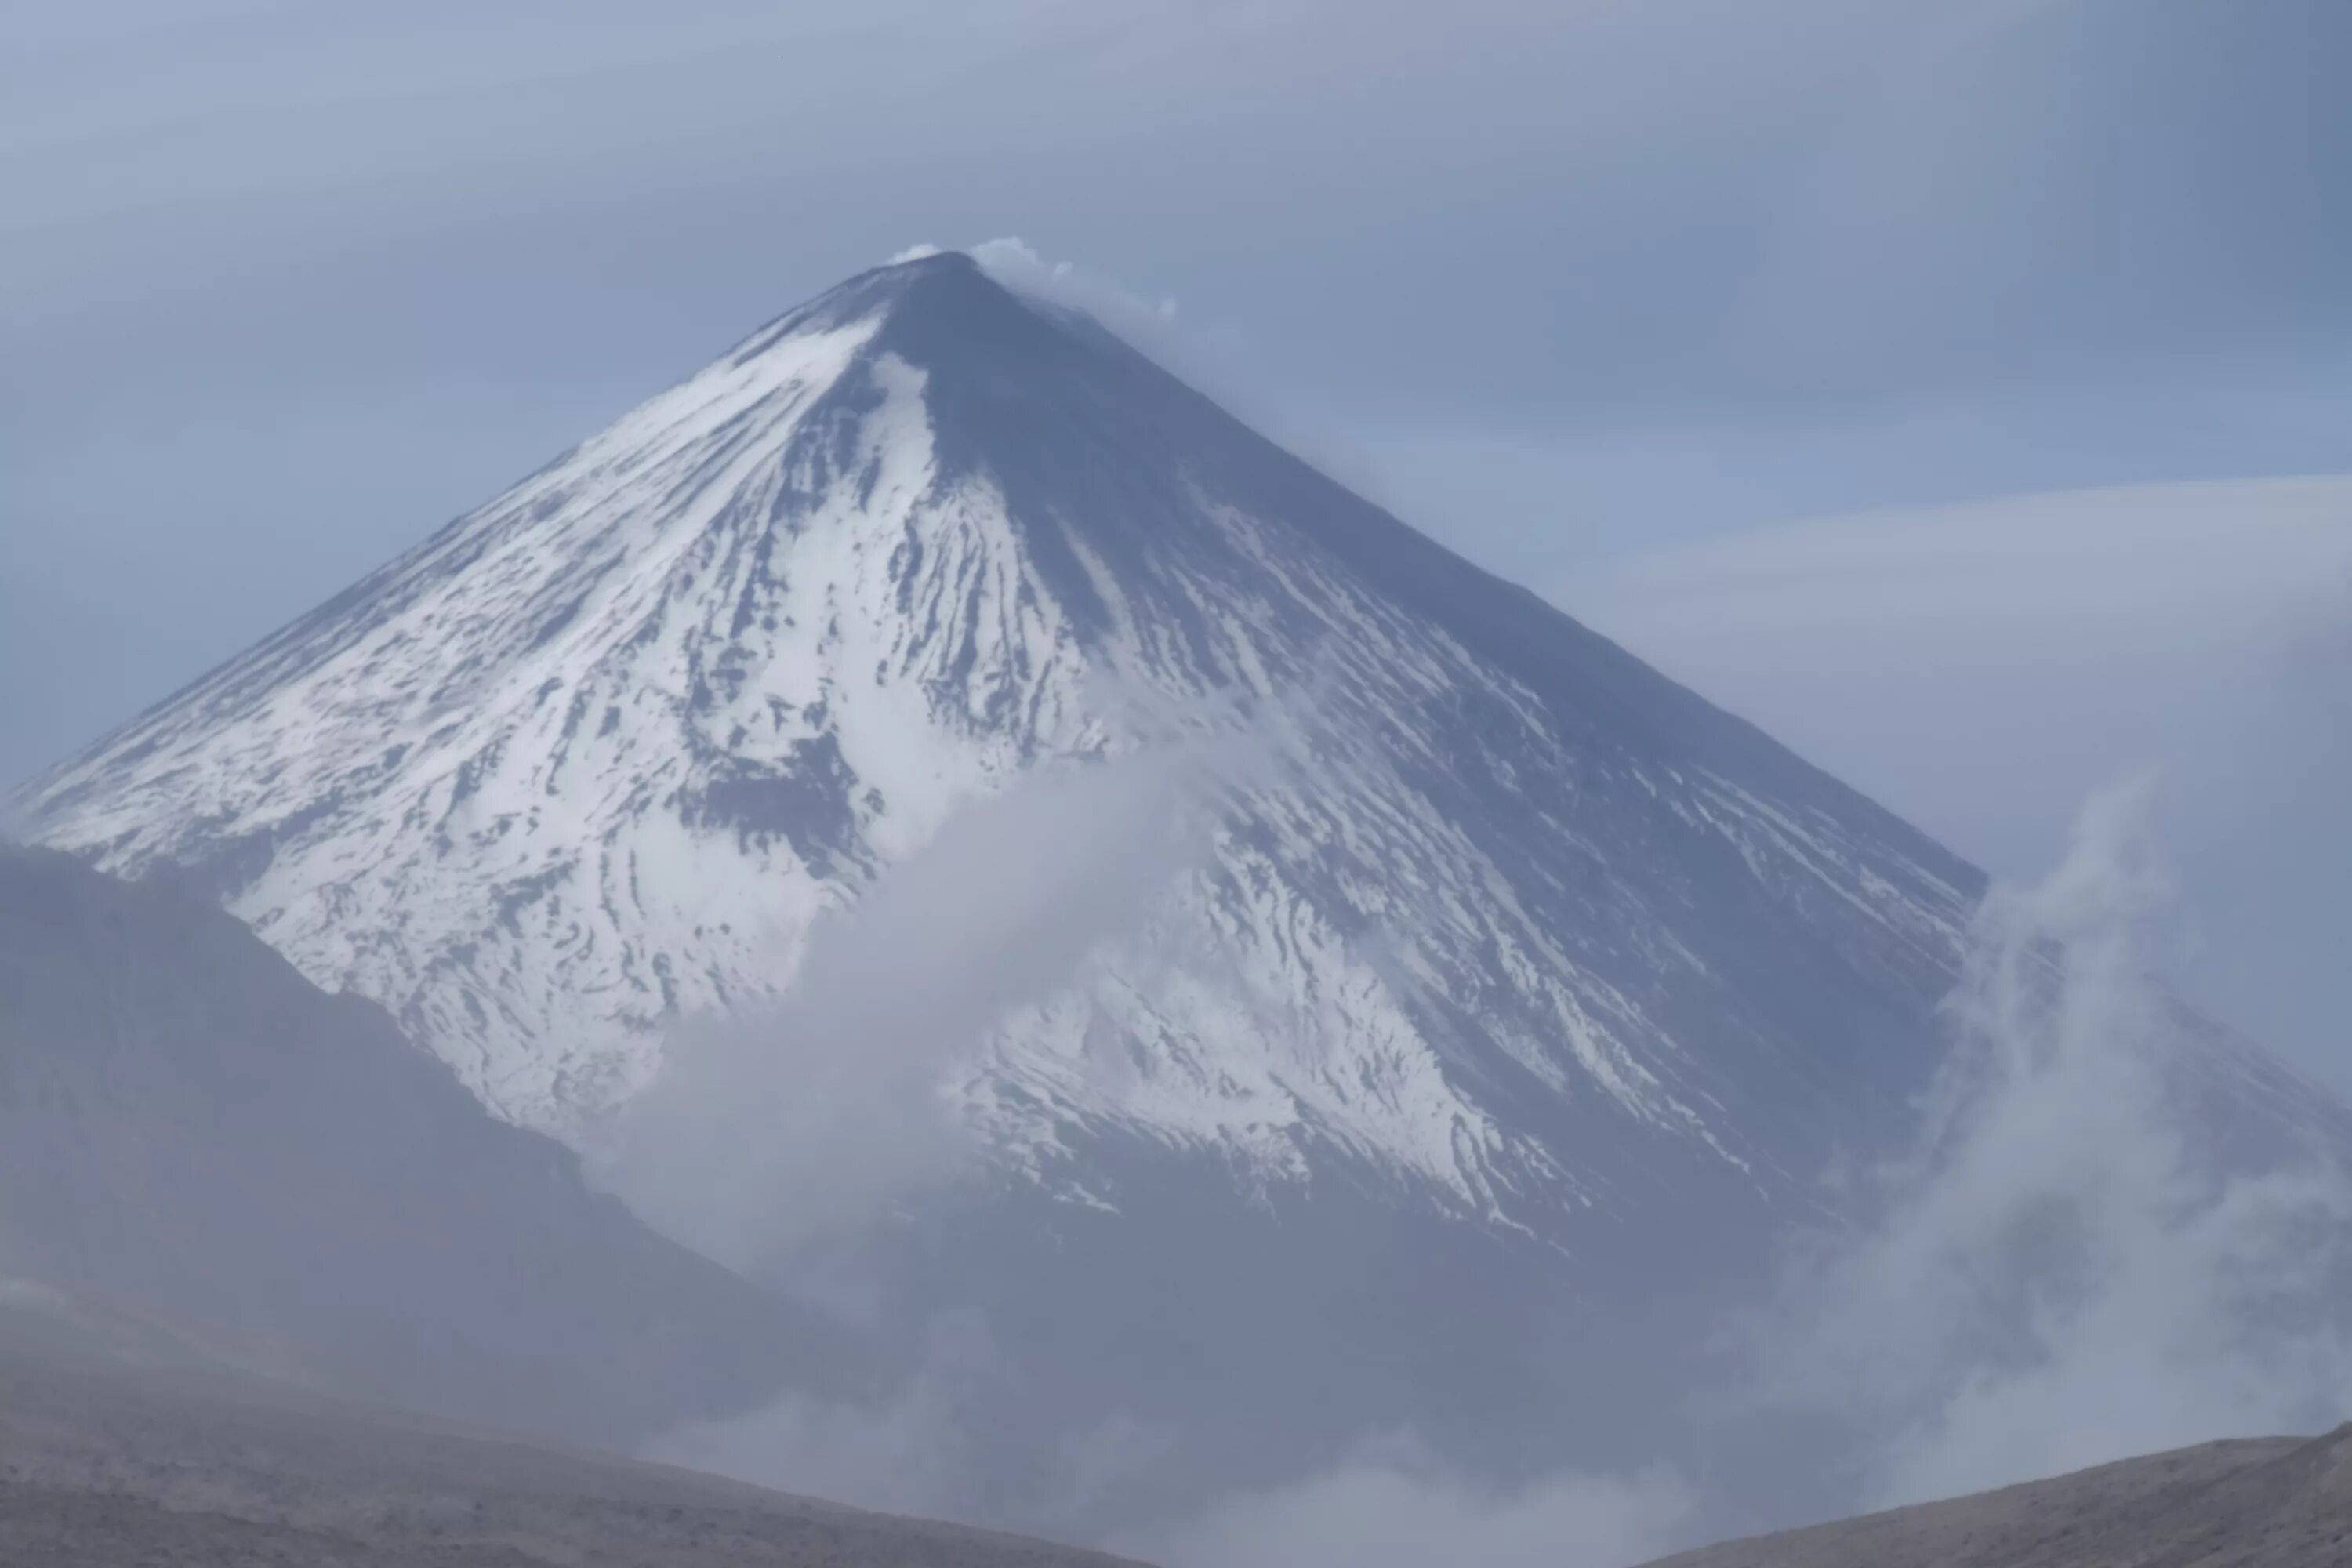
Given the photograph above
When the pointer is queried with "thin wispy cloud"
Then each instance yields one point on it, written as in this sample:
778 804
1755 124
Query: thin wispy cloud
766 1129
808 1116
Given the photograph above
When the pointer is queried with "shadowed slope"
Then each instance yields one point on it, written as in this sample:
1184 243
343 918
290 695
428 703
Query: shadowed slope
2271 1502
192 1130
105 1464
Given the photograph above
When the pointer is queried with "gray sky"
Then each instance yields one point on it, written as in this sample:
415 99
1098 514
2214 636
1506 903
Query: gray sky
1565 282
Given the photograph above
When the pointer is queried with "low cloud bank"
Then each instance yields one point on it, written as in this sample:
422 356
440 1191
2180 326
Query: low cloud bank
1395 1504
911 1452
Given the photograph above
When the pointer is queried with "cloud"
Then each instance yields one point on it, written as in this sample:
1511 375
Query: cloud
780 1124
912 1452
1147 322
1016 264
2068 1268
1394 1504
768 1128
2226 551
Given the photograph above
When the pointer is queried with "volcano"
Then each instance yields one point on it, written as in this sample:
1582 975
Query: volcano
1493 1018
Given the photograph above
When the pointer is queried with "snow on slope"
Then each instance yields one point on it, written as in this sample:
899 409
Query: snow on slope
1514 922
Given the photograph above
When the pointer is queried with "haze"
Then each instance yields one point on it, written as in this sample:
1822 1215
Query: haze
1958 390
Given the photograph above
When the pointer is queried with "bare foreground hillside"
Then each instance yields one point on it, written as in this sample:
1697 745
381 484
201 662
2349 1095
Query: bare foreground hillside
108 1464
2268 1502
120 1448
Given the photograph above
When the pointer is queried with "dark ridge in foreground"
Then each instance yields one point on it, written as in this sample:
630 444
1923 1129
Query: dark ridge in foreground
104 1464
2263 1502
193 1133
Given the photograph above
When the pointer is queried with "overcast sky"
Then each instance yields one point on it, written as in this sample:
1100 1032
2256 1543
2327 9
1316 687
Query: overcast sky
1594 290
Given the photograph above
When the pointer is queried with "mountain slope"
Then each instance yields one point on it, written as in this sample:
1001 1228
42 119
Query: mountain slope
191 1132
105 1464
1511 923
2268 1502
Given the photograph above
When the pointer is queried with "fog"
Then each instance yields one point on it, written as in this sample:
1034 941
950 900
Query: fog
911 1451
1395 1504
1955 388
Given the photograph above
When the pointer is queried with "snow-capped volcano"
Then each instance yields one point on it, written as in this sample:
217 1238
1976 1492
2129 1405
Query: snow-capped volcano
1378 1004
1512 923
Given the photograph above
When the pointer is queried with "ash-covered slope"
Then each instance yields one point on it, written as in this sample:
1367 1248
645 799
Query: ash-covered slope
2263 1502
108 1462
1512 926
192 1134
